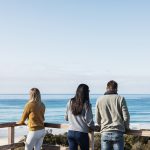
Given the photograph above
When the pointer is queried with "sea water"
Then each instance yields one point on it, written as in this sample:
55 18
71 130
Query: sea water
11 107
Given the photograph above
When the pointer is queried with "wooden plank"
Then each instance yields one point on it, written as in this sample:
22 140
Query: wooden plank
11 146
11 135
141 132
53 125
9 124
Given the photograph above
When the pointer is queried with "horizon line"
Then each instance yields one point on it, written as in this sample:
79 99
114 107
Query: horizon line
71 93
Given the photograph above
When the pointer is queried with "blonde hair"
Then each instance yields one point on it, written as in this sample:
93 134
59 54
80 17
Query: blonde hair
35 95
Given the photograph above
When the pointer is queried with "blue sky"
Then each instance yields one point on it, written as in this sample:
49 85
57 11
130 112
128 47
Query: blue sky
56 45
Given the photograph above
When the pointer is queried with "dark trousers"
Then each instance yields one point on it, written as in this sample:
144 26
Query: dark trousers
76 138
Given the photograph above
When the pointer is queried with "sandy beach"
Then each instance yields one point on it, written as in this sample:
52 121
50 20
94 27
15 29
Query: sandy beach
19 134
21 131
4 140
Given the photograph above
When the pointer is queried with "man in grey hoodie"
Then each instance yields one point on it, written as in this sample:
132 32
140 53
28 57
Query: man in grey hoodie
113 118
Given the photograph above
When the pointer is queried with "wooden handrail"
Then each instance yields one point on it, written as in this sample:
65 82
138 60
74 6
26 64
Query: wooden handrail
141 132
11 132
8 124
12 145
51 125
60 126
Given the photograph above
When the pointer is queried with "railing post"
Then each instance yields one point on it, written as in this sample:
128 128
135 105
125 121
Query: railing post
91 140
11 135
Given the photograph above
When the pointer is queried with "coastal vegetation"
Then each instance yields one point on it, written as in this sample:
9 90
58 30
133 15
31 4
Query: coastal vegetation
131 142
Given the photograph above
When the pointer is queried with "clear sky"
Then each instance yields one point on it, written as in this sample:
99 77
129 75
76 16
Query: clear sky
57 44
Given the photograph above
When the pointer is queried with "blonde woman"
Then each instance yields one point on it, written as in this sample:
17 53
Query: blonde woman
34 111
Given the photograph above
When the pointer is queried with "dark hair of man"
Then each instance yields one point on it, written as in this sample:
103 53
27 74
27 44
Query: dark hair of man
112 85
81 97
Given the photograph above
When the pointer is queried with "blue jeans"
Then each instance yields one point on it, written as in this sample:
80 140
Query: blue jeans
112 141
76 138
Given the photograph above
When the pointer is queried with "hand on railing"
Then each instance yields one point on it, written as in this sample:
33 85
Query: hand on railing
97 128
20 123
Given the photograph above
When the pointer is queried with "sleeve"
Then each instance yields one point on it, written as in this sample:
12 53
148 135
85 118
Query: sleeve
89 116
125 113
67 110
25 114
97 115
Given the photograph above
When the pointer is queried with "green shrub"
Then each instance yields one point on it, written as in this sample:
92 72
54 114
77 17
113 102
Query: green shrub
60 139
97 143
131 142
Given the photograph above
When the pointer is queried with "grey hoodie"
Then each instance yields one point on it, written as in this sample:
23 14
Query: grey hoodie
80 122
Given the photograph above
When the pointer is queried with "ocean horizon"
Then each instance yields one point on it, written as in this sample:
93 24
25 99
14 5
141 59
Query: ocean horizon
12 105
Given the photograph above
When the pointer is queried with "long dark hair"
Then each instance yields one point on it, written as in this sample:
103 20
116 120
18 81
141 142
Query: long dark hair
81 97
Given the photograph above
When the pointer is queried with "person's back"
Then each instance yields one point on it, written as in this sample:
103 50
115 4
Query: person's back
79 115
113 118
114 114
36 115
80 122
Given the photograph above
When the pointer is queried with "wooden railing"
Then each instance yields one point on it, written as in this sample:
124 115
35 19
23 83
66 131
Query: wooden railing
11 136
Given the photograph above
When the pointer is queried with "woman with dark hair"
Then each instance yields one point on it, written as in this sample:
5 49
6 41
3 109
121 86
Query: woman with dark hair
80 117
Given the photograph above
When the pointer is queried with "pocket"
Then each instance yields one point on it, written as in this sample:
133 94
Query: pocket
105 137
41 133
70 134
81 135
117 137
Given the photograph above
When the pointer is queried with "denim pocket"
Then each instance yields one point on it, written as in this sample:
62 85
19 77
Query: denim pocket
70 134
105 137
117 137
112 136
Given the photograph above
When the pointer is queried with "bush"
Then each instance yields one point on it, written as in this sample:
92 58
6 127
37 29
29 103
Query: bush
60 139
136 142
131 142
97 143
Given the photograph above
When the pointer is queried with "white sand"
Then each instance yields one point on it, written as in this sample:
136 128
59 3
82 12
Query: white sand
4 140
19 134
136 126
21 131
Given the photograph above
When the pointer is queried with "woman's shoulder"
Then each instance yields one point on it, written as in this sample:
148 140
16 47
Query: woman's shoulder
28 104
69 102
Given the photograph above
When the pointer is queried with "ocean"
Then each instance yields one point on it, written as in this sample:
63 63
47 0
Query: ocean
11 107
